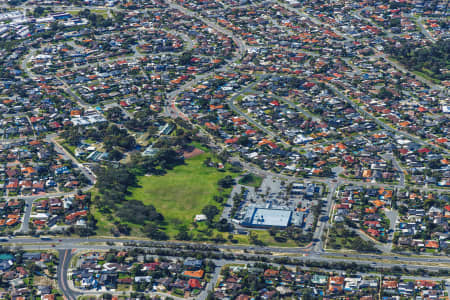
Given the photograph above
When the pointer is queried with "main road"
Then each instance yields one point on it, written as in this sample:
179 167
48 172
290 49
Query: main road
309 252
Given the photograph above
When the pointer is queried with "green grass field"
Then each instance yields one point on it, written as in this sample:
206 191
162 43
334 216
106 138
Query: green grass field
251 180
181 193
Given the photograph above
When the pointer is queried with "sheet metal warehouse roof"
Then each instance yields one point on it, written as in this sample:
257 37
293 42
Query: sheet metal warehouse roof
270 217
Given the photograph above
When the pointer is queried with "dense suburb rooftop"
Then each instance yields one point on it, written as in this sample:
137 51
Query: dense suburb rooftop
224 149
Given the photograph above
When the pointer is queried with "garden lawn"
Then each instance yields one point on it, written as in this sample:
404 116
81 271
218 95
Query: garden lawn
181 193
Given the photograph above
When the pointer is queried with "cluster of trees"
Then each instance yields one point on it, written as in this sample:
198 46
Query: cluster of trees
185 58
292 232
138 213
120 228
432 58
165 159
251 179
115 139
211 211
111 136
226 182
141 120
384 93
15 2
114 114
38 11
154 231
316 210
349 239
251 283
237 200
72 136
113 182
95 19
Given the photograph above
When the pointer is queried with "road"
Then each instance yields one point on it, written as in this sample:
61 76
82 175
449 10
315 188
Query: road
398 66
396 164
317 237
25 62
214 279
404 70
392 215
349 38
25 223
65 257
86 172
424 31
229 205
242 47
95 242
29 199
298 108
71 291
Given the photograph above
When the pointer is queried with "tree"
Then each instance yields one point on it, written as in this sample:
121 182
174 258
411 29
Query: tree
210 211
124 229
219 238
115 180
255 240
224 156
226 182
224 226
243 140
153 232
385 93
107 296
38 11
185 58
207 161
138 213
183 235
273 231
115 155
430 58
114 114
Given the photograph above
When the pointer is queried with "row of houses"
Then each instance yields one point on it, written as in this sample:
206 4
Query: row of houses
269 282
183 278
